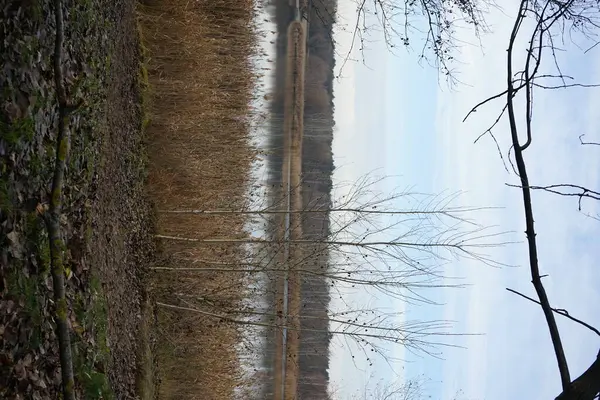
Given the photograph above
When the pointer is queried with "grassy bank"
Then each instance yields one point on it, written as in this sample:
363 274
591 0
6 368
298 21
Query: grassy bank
106 225
201 86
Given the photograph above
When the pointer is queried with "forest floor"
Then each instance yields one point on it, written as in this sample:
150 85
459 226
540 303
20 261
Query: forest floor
107 222
165 89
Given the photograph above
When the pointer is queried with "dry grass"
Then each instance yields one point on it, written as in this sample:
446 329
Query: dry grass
201 86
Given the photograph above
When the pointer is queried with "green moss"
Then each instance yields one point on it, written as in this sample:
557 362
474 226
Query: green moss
63 148
29 47
96 385
37 14
44 257
50 150
29 287
89 232
79 308
90 362
56 196
31 226
36 165
6 200
89 229
70 386
19 129
144 80
146 121
33 9
38 243
26 290
61 309
58 267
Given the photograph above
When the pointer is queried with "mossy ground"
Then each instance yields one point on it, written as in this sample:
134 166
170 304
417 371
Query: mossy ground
106 222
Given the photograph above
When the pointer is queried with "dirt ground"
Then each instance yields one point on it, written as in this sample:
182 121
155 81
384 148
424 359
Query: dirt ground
107 222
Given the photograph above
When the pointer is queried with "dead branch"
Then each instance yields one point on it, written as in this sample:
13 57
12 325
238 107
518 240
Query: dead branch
586 386
567 190
559 311
587 143
398 24
549 16
415 336
52 217
528 207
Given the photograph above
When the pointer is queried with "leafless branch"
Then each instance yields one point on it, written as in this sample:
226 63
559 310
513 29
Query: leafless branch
559 311
399 22
415 336
554 21
567 190
527 203
587 143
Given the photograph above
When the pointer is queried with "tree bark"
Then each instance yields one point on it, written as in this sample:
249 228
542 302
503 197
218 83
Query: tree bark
52 218
586 386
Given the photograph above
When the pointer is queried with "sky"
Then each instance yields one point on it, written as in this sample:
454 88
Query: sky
395 117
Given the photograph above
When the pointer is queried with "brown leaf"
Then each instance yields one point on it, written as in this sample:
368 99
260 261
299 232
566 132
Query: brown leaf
16 248
27 360
38 381
41 208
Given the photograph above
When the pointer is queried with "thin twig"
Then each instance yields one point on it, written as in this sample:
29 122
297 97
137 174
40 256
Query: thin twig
587 143
559 311
560 187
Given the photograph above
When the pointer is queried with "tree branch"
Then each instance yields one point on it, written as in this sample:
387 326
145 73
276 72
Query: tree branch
553 19
587 143
559 311
586 386
528 208
582 193
52 217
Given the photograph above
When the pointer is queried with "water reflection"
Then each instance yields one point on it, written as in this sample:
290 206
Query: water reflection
266 191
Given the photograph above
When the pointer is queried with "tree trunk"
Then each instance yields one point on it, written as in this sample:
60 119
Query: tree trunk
587 386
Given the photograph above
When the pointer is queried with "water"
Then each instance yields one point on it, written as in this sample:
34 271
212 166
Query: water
257 348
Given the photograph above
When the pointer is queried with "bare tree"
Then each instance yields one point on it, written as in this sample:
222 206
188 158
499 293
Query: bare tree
553 22
371 244
405 389
427 26
414 388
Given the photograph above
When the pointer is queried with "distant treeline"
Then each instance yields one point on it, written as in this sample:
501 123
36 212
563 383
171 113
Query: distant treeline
317 167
